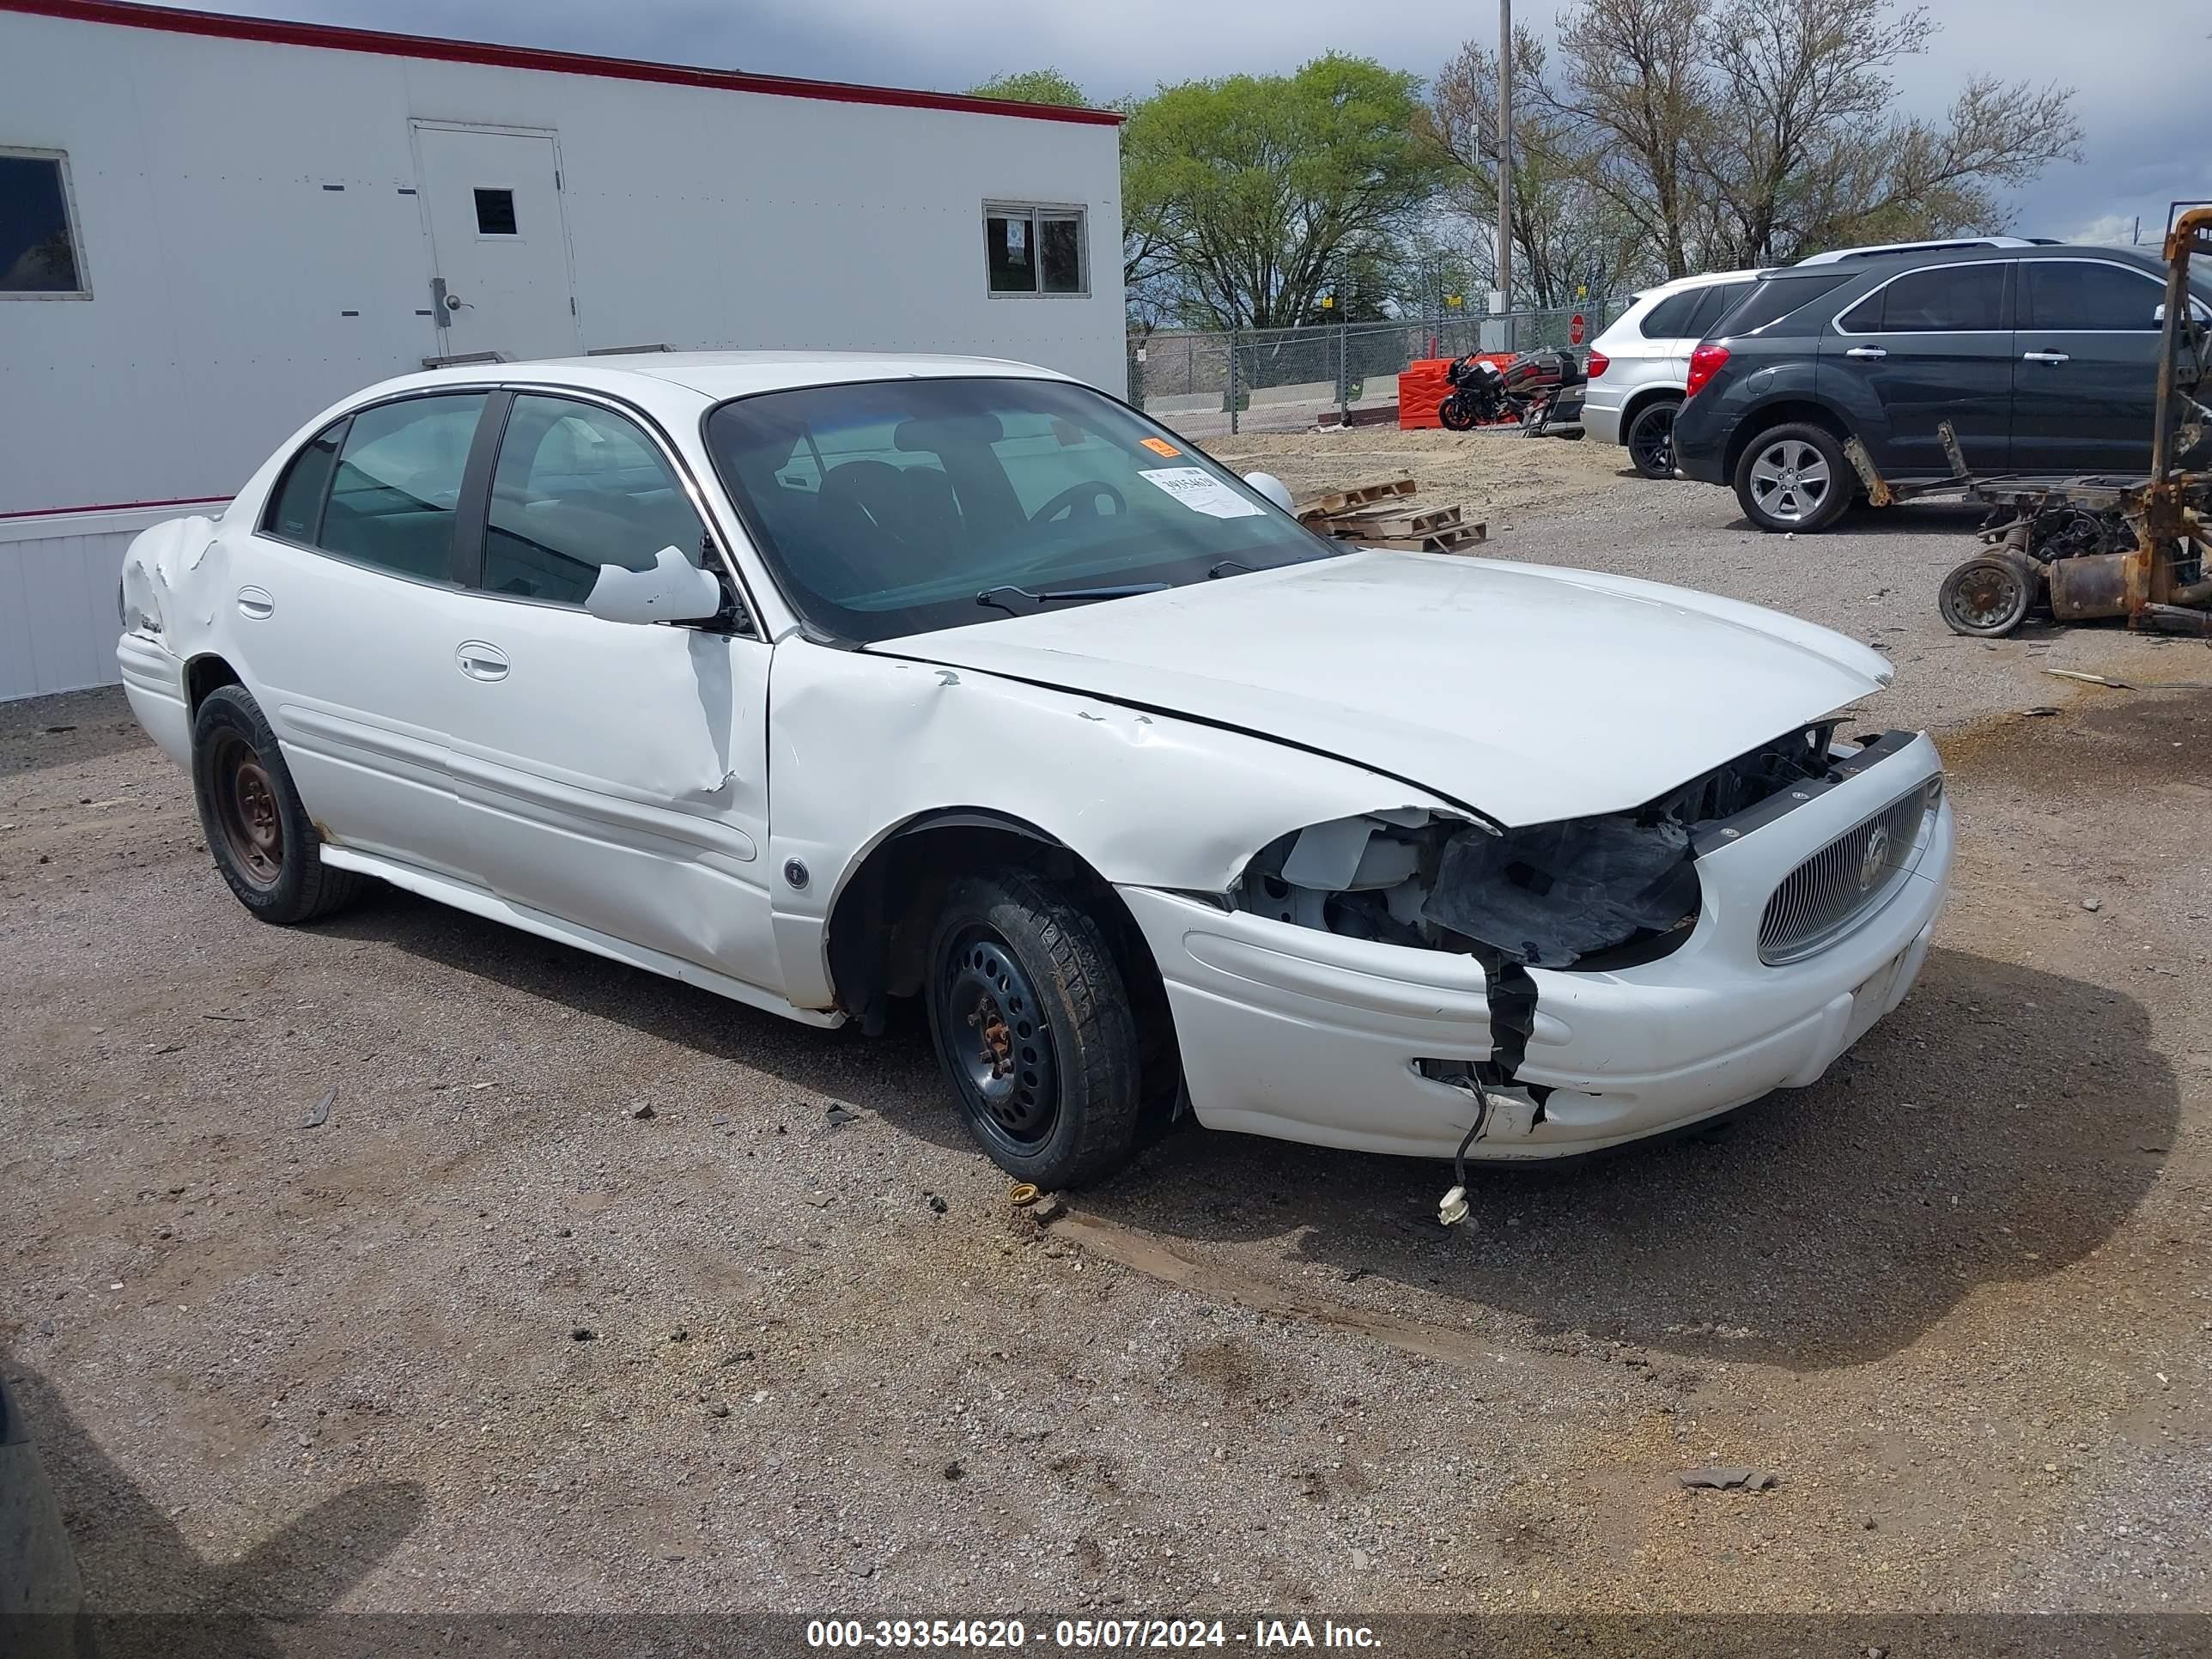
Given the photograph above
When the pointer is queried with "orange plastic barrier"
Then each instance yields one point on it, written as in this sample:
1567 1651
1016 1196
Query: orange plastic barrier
1424 384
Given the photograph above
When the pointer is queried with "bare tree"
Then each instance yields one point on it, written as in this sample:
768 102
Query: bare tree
1801 148
1567 236
1635 88
1731 132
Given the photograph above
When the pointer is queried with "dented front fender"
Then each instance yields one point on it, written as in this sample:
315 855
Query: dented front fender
861 744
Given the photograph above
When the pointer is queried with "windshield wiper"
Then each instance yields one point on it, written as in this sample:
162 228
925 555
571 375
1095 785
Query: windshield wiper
1216 569
1000 596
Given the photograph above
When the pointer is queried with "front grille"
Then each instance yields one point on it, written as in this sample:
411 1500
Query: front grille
1843 883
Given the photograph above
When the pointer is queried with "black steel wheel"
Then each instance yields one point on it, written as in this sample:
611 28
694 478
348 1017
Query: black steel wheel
1987 596
1007 1069
263 842
1034 1028
1651 439
1456 414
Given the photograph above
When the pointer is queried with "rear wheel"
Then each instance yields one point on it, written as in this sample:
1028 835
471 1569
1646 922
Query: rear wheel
263 840
1793 478
1033 1024
1651 439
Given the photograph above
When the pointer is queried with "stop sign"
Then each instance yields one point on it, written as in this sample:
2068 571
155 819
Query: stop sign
1574 329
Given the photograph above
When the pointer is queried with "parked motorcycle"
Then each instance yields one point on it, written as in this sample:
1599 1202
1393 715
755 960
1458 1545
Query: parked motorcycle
1527 389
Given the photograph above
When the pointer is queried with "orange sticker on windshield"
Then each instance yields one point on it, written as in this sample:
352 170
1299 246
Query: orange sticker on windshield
1160 445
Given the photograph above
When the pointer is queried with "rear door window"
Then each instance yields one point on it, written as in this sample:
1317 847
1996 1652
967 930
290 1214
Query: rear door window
398 484
1669 319
1712 304
1941 299
2082 294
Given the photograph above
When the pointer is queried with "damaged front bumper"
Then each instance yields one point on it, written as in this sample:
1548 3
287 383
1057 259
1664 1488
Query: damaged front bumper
1306 1035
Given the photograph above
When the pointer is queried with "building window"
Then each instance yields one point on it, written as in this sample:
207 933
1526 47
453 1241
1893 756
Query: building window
495 213
40 257
1036 249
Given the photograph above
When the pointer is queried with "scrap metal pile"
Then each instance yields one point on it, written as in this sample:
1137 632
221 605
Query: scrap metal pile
1376 515
2088 548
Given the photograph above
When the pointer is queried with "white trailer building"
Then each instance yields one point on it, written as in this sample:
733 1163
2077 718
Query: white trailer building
211 227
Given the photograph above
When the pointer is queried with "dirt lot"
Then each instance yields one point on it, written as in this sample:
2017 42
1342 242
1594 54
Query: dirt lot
489 1338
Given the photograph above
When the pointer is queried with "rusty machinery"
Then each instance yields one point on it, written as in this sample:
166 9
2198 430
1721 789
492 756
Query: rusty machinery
2104 547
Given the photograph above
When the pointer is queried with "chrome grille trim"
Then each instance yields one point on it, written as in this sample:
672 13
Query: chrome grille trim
1843 885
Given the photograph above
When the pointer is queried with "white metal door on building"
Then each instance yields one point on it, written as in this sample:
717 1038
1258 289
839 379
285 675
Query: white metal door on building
499 249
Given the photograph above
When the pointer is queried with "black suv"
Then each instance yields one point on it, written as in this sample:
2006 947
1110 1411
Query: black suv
2043 359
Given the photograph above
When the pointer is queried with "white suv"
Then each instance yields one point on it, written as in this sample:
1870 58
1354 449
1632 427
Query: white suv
1639 366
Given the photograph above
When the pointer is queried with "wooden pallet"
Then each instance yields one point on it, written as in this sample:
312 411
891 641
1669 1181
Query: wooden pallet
1451 539
1336 501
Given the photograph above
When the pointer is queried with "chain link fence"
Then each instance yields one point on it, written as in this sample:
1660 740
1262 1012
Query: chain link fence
1207 385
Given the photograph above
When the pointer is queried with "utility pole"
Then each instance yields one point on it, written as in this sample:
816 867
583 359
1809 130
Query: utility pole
1505 154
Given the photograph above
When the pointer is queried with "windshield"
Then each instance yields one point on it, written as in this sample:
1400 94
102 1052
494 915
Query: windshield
887 507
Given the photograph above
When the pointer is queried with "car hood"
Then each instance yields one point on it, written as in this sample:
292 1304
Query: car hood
1525 692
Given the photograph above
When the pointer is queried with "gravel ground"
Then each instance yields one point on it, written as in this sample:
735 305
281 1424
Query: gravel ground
492 1339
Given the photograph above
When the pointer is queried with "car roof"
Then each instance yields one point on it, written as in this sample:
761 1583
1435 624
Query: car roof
1887 264
1701 279
713 375
1933 245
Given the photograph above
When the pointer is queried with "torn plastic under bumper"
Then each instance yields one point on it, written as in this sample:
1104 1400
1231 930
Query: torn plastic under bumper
1305 1035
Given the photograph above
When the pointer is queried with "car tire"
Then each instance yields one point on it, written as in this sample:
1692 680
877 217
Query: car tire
265 844
1793 478
1649 439
1034 1028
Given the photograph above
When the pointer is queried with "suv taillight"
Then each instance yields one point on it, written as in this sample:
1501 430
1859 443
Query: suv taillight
1598 364
1704 363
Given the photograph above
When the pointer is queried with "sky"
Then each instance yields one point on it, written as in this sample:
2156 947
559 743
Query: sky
2140 68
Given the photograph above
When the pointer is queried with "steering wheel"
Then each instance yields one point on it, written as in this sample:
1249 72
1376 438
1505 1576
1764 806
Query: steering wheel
1086 494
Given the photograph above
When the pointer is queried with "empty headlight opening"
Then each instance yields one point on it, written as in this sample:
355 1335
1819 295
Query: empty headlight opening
1591 894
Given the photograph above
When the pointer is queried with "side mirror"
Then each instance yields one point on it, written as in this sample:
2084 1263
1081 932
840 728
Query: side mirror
1267 484
2198 313
674 590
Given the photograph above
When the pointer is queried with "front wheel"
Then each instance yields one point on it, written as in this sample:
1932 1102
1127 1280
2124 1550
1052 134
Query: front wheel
1033 1024
1456 414
1794 477
1651 439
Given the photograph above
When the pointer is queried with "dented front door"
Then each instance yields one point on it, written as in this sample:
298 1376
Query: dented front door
614 774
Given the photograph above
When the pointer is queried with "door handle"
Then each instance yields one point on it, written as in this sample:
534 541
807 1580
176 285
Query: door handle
1866 351
480 661
2044 357
255 603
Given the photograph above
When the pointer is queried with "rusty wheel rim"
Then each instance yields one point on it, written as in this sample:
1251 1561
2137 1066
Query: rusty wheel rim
1001 1044
246 811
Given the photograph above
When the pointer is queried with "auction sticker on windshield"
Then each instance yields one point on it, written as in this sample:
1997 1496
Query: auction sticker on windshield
1201 492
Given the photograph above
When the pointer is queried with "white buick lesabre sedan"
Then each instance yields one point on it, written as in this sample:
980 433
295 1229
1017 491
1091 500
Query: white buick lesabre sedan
820 681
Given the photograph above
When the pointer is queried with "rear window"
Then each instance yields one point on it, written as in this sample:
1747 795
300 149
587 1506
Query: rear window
1775 298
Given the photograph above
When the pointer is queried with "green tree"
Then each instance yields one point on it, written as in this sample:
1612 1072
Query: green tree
1257 194
1039 86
